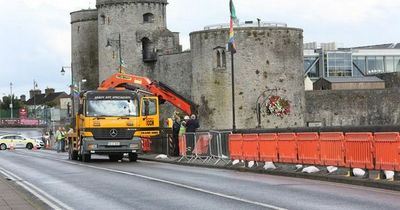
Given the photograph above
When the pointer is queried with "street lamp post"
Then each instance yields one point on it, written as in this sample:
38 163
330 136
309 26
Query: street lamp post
34 98
71 87
111 42
11 104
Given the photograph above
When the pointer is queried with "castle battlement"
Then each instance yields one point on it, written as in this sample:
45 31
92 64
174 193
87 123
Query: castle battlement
84 15
101 3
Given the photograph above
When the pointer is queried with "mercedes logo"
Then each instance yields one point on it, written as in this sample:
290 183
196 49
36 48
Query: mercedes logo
113 132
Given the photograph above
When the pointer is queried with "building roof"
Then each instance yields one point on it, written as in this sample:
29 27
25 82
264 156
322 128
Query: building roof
352 79
43 98
380 46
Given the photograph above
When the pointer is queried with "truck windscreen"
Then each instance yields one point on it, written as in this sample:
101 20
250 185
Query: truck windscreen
112 108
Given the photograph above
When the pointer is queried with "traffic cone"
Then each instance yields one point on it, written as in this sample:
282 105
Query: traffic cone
47 144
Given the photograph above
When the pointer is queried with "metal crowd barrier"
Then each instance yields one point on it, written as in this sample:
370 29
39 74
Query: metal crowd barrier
206 147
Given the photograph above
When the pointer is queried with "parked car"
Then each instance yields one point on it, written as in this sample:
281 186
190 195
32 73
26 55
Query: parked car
17 141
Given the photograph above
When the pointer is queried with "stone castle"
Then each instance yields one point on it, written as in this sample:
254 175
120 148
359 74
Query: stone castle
269 61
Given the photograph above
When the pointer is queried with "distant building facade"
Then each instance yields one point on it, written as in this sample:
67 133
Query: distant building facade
40 105
326 60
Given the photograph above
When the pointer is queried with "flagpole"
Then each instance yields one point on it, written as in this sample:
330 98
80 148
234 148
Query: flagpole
232 49
233 91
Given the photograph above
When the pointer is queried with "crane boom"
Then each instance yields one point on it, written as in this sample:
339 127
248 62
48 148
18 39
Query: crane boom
162 91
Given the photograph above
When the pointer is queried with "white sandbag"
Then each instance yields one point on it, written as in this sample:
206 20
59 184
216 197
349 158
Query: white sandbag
389 174
224 157
235 162
251 164
358 172
310 169
269 165
161 156
299 166
331 169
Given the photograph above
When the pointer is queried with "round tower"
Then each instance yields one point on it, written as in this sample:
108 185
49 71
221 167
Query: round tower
269 61
139 23
84 51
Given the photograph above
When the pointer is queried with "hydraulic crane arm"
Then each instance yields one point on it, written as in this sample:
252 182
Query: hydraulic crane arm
162 91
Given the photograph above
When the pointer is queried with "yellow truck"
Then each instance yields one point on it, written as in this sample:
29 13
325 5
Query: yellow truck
113 119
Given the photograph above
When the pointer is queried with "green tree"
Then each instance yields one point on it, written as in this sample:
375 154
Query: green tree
5 104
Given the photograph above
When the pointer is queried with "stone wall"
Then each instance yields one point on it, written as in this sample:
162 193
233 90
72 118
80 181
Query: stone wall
125 18
84 50
266 58
353 107
392 80
84 47
174 70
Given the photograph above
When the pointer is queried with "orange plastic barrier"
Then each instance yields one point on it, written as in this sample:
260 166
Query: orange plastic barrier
359 150
387 151
331 148
308 148
235 146
268 147
250 147
287 147
182 145
146 144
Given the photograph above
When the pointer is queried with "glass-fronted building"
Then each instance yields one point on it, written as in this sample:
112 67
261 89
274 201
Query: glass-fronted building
329 61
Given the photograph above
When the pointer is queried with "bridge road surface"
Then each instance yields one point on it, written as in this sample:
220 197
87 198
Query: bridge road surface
101 184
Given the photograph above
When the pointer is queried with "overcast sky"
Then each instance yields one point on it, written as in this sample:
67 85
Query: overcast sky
35 34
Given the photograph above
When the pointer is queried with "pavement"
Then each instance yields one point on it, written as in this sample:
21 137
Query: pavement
15 198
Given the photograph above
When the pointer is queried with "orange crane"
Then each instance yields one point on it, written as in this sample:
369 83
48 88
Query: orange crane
162 91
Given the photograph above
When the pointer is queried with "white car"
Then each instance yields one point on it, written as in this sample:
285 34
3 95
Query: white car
17 141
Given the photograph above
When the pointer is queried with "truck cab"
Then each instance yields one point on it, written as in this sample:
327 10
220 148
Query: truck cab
113 122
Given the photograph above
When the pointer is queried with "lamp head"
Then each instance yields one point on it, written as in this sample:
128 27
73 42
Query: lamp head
62 71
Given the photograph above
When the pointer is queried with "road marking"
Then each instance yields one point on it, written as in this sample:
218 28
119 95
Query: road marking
343 185
180 185
43 196
168 182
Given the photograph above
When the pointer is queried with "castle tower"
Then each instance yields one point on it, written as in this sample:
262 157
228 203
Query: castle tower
84 42
268 60
142 27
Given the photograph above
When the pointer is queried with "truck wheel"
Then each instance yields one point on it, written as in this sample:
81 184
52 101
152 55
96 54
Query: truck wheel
133 157
73 155
116 157
86 157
